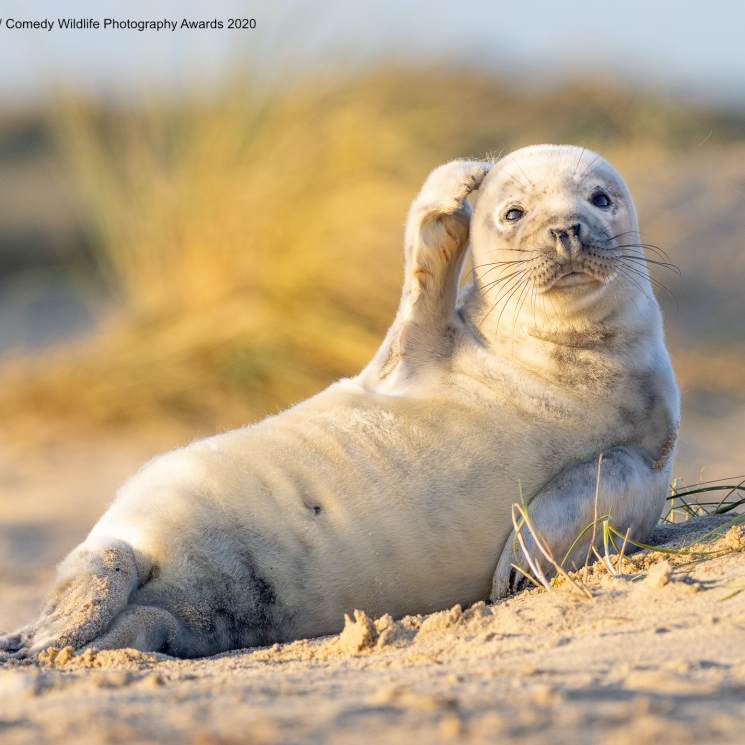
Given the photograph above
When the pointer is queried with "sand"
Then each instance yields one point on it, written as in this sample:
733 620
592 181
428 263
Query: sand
657 655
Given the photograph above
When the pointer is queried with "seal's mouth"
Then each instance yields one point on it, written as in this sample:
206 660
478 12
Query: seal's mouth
574 278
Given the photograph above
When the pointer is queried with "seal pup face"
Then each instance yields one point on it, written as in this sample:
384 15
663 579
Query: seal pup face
555 233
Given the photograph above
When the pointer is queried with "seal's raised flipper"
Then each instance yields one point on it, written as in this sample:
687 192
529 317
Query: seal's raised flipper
93 585
435 242
630 494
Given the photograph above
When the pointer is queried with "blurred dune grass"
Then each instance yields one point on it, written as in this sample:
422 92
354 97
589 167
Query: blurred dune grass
252 241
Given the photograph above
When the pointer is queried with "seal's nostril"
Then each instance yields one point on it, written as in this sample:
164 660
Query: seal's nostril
565 233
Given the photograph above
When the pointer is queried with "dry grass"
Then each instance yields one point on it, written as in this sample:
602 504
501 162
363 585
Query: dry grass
252 242
545 570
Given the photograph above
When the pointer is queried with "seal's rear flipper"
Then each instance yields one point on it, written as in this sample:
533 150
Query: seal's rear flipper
142 627
93 585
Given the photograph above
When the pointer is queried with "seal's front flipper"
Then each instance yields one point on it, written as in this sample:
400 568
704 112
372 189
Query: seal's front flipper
631 493
436 238
93 585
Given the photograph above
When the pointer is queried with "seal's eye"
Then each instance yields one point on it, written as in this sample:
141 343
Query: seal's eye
600 199
513 214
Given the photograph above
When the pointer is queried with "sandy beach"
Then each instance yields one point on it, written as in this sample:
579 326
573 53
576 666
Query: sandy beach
657 655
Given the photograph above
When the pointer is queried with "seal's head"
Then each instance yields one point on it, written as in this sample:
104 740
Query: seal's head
555 228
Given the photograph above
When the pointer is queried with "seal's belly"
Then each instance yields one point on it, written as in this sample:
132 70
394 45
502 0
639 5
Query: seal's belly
390 506
347 501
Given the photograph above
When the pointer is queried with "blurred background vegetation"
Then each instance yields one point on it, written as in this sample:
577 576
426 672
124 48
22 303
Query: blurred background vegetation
196 262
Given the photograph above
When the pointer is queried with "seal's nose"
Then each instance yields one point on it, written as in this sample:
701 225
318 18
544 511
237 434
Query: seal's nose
570 231
567 239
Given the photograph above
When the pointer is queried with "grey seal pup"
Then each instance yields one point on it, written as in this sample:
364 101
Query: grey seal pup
392 491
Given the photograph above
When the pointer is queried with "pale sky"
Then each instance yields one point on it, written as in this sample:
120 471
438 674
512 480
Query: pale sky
692 49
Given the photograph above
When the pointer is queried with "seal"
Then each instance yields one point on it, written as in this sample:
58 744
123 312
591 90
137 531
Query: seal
392 491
